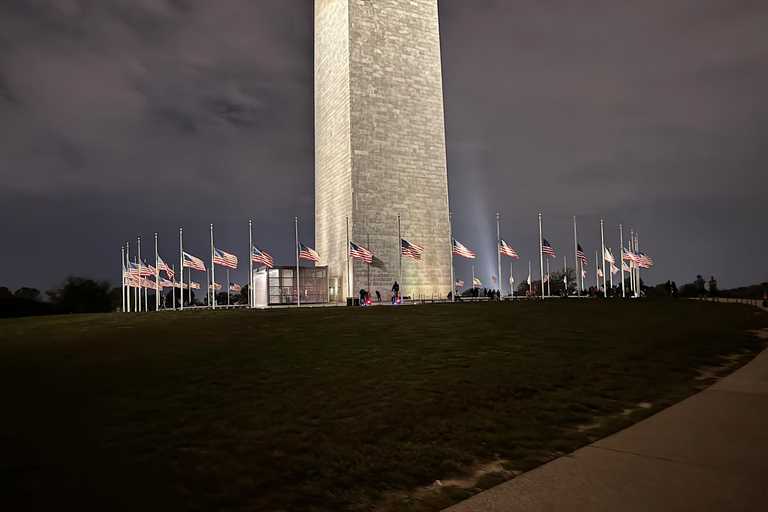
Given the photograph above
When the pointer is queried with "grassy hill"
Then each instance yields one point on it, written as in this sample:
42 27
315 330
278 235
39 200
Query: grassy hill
340 408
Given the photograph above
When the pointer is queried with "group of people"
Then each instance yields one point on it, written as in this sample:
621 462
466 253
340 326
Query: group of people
701 288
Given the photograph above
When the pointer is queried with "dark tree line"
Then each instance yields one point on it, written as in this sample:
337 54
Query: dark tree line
76 295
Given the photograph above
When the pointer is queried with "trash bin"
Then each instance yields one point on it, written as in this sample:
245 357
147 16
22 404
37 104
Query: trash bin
353 301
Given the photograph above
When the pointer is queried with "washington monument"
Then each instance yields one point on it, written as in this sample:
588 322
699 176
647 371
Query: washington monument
380 144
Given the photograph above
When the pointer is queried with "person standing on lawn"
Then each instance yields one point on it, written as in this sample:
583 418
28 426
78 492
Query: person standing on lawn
701 287
713 289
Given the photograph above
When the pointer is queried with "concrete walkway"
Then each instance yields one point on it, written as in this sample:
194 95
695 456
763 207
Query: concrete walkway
707 453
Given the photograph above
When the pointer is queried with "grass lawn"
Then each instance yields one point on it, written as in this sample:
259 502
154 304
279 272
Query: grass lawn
340 408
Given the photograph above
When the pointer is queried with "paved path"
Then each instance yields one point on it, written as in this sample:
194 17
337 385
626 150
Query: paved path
707 453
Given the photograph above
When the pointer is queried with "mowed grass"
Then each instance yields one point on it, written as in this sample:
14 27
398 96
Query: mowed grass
334 409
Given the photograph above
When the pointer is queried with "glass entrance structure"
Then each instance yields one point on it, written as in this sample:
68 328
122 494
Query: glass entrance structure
277 286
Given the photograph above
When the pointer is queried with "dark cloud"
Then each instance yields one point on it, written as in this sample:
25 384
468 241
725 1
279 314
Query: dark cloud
124 117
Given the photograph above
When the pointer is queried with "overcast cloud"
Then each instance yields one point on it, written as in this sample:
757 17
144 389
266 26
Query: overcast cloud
119 118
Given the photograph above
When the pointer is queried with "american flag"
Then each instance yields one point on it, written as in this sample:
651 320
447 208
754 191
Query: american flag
614 269
546 248
645 261
411 250
234 287
462 251
146 283
360 253
625 267
460 284
583 273
528 280
161 266
194 285
546 278
599 272
166 283
494 280
133 269
263 258
308 253
505 249
581 256
224 258
629 256
511 280
216 286
609 257
192 262
477 282
146 271
132 282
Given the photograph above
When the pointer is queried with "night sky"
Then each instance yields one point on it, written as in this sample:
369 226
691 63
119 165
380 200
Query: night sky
122 118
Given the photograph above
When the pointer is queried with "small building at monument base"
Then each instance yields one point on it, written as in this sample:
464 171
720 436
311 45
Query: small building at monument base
277 286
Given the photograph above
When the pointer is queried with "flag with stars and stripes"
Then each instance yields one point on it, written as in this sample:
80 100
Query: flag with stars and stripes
546 248
581 256
162 267
459 283
506 250
609 257
234 287
462 251
192 262
308 253
263 258
411 250
477 282
645 261
360 253
224 259
625 267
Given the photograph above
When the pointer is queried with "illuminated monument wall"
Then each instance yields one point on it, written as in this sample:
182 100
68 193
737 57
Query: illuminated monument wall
380 142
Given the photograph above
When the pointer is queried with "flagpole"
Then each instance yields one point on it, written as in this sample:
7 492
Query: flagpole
209 285
602 244
228 285
140 277
453 271
597 274
637 250
498 250
213 273
400 251
157 277
473 270
541 257
127 262
181 270
623 286
349 273
632 262
173 288
565 276
511 281
298 287
122 276
610 279
576 256
251 298
189 287
549 288
137 294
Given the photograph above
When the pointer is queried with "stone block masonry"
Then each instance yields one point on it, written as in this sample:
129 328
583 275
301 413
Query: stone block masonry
380 142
